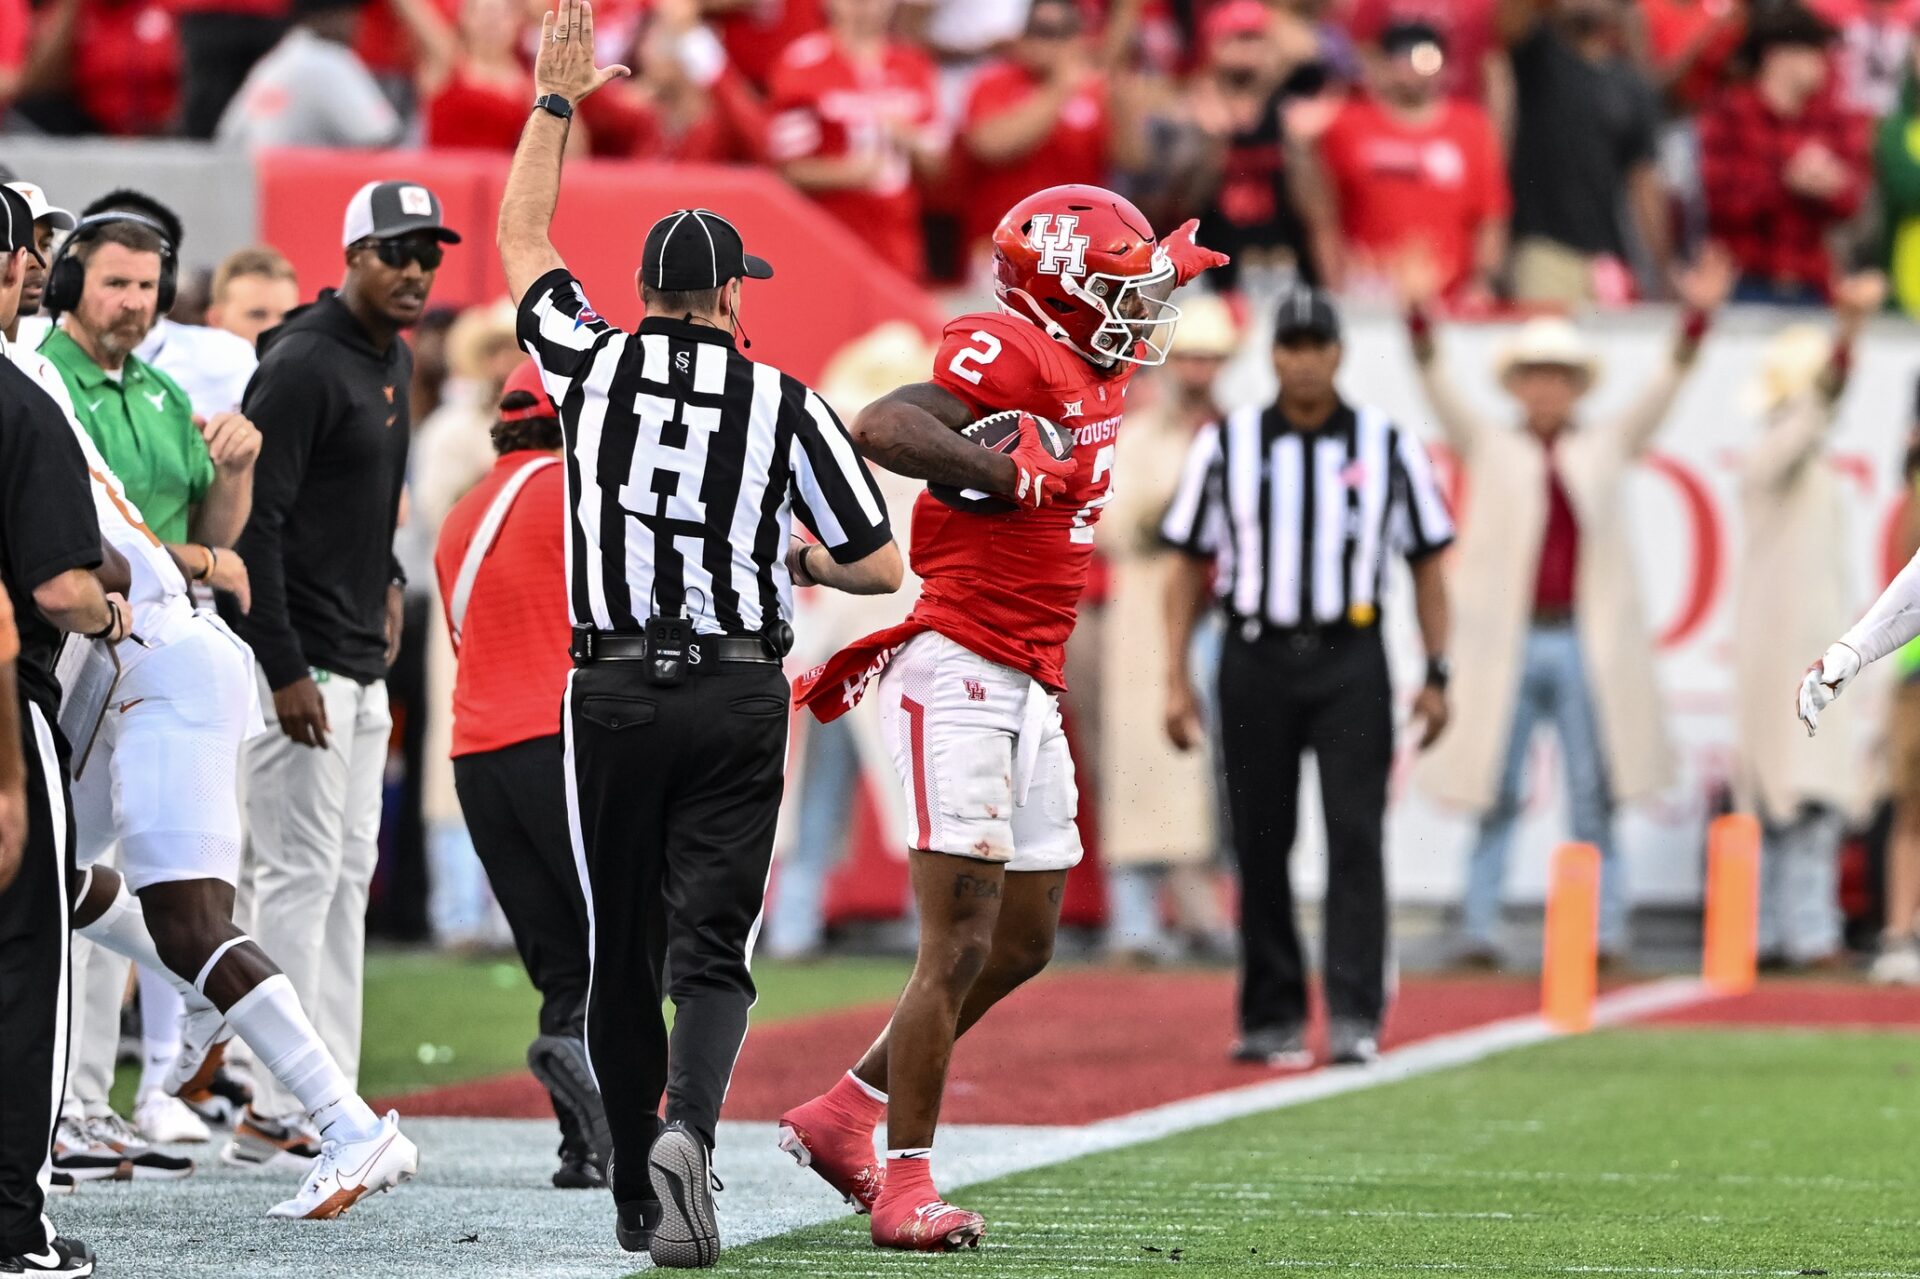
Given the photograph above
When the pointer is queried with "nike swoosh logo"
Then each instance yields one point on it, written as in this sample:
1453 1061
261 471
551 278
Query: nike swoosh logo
129 704
360 1172
93 406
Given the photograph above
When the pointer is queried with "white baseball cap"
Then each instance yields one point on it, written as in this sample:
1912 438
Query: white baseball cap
62 219
380 210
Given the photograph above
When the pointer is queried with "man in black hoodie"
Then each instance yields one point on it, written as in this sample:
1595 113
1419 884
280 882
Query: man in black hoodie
332 392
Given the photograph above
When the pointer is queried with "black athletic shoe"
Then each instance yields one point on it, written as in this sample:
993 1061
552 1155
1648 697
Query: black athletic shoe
636 1223
681 1169
579 1170
67 1257
559 1062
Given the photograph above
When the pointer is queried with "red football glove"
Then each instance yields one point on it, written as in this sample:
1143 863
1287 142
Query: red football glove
1188 257
1041 476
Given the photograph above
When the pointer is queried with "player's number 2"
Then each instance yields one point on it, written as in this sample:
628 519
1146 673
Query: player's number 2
1082 530
963 364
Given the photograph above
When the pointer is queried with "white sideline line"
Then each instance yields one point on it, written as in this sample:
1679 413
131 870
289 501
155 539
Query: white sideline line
1423 1057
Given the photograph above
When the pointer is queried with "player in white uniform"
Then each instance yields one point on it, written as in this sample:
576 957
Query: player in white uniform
162 780
1893 620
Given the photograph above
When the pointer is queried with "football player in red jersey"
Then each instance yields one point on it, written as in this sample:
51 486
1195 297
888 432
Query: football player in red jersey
967 683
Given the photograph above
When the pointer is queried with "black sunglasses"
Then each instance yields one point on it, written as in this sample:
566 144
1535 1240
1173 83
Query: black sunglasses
397 253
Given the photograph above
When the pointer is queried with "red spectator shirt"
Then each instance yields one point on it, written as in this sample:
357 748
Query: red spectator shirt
1076 150
1773 233
513 647
823 104
1558 574
1674 25
1398 182
385 44
1466 25
16 26
756 34
477 114
280 9
126 65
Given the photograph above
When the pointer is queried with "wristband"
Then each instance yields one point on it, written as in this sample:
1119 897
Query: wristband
1419 323
113 623
1694 326
213 561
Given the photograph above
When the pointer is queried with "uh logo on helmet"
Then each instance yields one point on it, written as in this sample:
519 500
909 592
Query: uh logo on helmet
1083 263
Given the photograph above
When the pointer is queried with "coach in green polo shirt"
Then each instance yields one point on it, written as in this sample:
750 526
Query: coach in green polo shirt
192 480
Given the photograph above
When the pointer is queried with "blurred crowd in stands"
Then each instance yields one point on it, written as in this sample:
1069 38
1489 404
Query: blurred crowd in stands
1545 150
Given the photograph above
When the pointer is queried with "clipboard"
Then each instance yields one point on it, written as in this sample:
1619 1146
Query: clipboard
88 672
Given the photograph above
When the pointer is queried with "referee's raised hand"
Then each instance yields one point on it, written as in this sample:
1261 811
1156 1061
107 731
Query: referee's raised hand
564 64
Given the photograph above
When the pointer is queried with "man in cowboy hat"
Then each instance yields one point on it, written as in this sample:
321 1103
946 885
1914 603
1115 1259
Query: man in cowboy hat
1547 605
1795 523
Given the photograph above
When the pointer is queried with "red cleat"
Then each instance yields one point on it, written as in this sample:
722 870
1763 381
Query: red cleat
824 1137
921 1221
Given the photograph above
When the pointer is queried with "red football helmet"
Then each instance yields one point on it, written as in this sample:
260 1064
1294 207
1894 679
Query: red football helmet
1083 264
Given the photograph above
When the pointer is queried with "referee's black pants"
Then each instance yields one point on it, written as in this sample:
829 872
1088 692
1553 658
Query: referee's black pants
34 913
1280 695
676 791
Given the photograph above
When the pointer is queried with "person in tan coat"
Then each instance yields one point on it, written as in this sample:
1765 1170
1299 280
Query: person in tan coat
1550 624
1157 803
1795 530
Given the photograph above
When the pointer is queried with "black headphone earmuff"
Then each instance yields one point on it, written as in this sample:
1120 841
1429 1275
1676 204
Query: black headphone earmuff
67 275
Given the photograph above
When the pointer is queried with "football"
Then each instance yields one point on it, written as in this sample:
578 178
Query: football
1000 432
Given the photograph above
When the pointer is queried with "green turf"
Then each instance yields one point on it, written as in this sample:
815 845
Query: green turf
1630 1152
436 1018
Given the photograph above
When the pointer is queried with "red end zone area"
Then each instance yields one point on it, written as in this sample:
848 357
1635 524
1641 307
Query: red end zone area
1072 1048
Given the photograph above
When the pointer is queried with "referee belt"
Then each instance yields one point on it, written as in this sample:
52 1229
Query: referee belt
703 651
1297 639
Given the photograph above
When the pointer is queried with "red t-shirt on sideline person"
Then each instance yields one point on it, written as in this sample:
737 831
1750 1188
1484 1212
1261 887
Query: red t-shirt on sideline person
513 647
1399 183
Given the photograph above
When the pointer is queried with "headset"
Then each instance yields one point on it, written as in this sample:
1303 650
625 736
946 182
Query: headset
67 275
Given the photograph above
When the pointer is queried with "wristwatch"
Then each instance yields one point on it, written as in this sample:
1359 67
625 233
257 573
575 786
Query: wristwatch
555 105
1439 671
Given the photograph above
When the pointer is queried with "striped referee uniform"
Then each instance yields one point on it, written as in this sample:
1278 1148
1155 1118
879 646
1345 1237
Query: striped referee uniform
686 464
1300 525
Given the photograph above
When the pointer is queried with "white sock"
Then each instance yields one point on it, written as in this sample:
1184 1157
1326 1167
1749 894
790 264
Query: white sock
867 1088
122 929
270 1019
161 1006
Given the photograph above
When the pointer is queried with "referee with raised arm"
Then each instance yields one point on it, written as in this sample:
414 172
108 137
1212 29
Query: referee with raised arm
1300 504
685 464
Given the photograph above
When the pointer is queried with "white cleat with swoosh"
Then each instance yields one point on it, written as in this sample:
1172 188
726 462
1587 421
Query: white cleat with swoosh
348 1171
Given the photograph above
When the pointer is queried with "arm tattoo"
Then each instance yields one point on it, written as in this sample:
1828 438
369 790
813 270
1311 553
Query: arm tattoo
914 432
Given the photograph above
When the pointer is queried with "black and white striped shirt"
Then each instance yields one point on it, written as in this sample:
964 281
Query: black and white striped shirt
1301 522
686 463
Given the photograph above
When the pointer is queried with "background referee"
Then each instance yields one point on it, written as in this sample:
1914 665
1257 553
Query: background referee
684 464
1301 502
